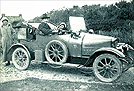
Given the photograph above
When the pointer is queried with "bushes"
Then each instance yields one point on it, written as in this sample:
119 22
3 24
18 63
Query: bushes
124 37
115 20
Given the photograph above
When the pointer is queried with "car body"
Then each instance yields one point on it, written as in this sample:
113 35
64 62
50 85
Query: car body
107 57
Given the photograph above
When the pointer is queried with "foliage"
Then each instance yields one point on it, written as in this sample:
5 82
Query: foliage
116 20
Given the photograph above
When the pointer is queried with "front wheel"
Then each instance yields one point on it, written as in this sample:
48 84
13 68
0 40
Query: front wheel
21 58
107 67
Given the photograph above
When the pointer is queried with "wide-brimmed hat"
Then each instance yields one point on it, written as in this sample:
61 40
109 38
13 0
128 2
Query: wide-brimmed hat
63 23
44 16
4 19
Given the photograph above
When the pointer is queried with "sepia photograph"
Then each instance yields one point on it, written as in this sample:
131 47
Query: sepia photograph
66 45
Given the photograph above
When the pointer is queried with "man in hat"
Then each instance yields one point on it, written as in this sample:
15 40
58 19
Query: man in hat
44 27
6 33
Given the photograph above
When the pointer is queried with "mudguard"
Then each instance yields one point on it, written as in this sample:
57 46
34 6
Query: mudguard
19 45
102 51
111 50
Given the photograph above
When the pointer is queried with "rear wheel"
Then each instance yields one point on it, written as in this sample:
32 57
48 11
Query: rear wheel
20 58
56 52
107 67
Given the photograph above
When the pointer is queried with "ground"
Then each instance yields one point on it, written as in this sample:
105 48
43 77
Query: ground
41 77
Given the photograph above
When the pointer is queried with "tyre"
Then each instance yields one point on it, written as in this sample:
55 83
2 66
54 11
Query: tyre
56 52
107 67
21 58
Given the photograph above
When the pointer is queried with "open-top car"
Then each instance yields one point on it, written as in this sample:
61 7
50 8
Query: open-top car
107 57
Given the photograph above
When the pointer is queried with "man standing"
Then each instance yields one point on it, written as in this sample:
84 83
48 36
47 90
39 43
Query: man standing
44 27
6 32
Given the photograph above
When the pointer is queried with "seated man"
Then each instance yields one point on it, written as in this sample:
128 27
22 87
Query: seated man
44 27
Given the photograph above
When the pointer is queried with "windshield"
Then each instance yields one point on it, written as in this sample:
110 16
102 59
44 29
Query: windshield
77 23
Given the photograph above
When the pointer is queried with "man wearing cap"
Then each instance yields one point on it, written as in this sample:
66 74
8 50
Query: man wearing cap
6 33
44 27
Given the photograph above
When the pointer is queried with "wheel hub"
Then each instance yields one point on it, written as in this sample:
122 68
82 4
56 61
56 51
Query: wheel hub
56 52
20 58
107 67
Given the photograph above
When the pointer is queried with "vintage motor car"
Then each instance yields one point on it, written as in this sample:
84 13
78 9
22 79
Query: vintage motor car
104 54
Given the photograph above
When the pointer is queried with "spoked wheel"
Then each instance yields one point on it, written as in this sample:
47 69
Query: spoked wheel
107 67
21 59
56 53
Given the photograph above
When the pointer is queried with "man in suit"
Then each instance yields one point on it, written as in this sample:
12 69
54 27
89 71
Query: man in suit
44 27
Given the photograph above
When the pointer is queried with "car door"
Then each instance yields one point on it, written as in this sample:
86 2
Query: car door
75 45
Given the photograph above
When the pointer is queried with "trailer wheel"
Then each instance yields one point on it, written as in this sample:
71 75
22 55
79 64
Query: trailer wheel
107 67
20 58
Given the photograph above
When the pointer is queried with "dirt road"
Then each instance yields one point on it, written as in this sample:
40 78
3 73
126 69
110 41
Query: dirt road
41 77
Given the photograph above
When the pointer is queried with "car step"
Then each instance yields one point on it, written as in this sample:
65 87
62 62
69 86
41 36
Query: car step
69 64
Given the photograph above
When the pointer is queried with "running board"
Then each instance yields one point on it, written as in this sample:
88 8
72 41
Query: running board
68 64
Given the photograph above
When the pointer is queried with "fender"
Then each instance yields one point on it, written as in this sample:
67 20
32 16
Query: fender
109 49
102 51
19 45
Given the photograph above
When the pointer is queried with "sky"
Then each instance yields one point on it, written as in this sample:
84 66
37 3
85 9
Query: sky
32 8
